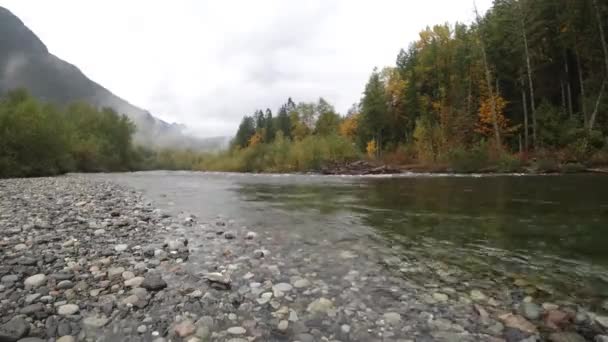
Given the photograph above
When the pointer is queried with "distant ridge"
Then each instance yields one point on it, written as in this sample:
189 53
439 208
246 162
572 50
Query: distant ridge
25 62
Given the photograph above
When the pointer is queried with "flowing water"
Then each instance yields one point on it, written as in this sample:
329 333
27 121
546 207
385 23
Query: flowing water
550 231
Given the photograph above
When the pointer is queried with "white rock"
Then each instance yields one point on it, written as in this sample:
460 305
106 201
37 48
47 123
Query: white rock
95 321
134 282
115 272
392 317
66 338
35 280
264 298
293 316
68 309
196 294
347 255
301 283
283 287
478 296
440 297
236 330
321 305
121 248
283 325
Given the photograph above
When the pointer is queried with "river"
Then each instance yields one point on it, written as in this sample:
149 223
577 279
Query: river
547 233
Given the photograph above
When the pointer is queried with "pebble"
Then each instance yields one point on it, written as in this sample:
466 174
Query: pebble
236 330
115 272
321 305
566 337
134 282
283 287
184 329
66 338
264 298
121 248
392 317
518 322
95 321
31 309
126 275
68 309
65 284
440 297
283 325
153 282
530 311
478 296
301 283
35 280
14 329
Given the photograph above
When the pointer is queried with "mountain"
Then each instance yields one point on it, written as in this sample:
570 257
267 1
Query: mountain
25 62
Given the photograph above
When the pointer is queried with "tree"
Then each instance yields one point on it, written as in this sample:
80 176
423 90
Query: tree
269 126
348 126
245 132
374 110
327 120
283 122
493 107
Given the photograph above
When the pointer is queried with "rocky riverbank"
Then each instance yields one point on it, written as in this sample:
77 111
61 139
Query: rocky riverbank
83 259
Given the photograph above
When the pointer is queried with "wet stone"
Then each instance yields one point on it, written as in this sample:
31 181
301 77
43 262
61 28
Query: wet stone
31 309
14 329
153 282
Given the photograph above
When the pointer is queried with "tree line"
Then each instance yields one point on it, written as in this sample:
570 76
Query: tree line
38 139
526 79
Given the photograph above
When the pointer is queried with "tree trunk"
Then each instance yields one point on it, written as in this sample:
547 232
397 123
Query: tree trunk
563 88
490 92
582 85
529 70
524 102
598 17
597 106
568 88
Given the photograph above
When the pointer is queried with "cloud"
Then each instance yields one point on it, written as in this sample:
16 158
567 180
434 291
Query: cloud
208 63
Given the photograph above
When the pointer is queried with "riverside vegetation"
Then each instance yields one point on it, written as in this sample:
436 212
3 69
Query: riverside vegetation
523 86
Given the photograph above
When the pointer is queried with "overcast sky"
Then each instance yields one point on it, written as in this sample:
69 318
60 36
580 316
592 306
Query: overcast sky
208 63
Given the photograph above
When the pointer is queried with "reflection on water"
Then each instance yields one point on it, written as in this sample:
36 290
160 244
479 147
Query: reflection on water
551 230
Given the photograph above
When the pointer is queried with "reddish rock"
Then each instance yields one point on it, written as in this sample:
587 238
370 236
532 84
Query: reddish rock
557 320
518 322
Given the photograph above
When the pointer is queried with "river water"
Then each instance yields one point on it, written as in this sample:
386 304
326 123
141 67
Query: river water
547 234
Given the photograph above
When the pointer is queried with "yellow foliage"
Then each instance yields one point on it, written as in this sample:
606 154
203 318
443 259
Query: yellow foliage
348 127
256 139
371 148
485 123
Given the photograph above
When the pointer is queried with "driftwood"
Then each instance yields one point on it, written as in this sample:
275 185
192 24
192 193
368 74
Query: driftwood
360 167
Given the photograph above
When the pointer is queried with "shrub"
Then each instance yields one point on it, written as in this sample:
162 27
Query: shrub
573 168
468 161
546 165
509 163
